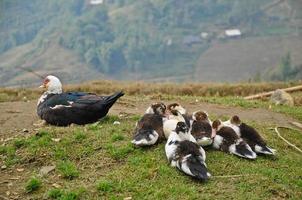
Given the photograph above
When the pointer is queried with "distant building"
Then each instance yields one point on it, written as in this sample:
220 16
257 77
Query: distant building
204 35
233 33
96 2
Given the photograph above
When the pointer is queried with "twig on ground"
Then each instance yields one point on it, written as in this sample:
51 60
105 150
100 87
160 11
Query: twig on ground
233 176
297 124
286 141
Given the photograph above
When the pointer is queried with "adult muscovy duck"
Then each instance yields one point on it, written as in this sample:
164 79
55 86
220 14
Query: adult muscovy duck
64 108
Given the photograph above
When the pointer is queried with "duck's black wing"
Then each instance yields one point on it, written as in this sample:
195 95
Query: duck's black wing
81 99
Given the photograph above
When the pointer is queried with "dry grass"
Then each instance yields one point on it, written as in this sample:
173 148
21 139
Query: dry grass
142 88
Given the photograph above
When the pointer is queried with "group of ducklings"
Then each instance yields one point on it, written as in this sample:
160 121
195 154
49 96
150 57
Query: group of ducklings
186 136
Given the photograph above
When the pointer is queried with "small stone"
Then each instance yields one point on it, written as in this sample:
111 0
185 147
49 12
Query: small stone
280 97
56 139
3 167
116 123
20 169
46 169
7 193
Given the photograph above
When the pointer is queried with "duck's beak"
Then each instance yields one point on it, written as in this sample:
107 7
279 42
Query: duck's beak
42 86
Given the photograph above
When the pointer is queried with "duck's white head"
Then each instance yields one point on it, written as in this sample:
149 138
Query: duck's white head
52 84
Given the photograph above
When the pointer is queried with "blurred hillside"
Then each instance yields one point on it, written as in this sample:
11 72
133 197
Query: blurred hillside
152 40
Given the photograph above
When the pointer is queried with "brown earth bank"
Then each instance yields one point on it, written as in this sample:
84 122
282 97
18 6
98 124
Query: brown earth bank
19 117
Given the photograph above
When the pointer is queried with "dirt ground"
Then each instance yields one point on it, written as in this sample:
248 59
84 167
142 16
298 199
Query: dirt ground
15 117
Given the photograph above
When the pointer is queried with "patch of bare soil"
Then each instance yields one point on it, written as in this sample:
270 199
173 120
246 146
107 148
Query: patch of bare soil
17 117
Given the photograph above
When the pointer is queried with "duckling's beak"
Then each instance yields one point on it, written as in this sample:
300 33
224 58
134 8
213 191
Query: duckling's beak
213 133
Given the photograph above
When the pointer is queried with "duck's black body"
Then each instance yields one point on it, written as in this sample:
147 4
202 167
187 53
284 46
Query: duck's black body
74 107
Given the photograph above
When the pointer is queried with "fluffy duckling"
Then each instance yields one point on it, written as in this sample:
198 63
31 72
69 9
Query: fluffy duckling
233 123
228 141
251 136
183 152
178 107
149 129
201 128
176 113
170 124
157 108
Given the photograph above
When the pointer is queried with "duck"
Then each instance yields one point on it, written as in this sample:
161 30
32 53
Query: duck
175 113
149 129
226 140
178 107
251 136
233 123
64 108
184 153
201 128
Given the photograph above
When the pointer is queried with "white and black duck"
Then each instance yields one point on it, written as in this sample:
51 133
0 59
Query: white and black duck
201 128
65 108
251 136
227 140
149 129
183 152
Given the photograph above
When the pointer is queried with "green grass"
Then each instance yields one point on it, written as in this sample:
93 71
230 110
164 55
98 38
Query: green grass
59 194
293 111
100 163
33 184
68 169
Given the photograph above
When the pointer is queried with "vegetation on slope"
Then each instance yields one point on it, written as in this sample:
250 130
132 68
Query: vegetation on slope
137 37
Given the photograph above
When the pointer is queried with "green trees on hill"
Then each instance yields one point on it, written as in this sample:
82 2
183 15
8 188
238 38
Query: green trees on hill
286 71
122 35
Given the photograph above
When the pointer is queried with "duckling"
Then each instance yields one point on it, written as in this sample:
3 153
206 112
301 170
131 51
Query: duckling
178 107
149 129
170 124
228 141
183 152
201 128
157 108
251 136
233 123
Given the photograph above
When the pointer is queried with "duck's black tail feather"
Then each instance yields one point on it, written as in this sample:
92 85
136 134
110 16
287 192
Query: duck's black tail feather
195 166
244 150
263 149
110 100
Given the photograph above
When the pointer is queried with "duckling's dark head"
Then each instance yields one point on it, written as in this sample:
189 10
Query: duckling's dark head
181 127
200 115
235 120
216 124
159 108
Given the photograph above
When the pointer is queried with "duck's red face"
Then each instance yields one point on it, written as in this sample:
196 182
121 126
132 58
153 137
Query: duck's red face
45 83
